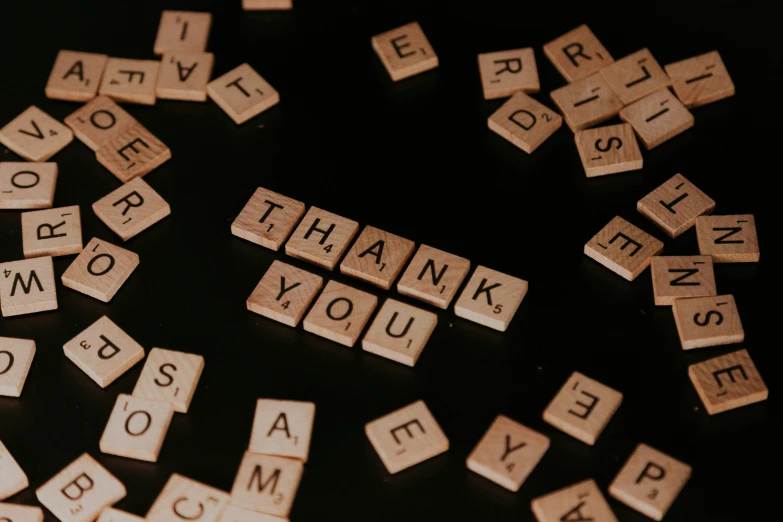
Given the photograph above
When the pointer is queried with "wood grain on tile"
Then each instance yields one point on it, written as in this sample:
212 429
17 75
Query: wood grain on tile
635 76
268 219
35 136
728 239
100 270
99 121
505 72
399 332
237 514
608 150
27 286
170 376
131 209
16 357
242 93
282 428
115 515
20 513
184 76
136 428
675 205
267 5
700 80
623 248
657 118
75 76
12 478
728 382
182 31
676 277
25 185
405 51
321 238
267 484
340 313
577 54
52 232
284 293
186 499
377 257
581 501
130 81
708 321
524 122
587 102
491 298
433 276
133 153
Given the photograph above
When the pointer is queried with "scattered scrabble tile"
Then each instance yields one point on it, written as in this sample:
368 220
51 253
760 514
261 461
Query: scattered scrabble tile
321 238
608 150
131 81
675 277
623 248
131 209
405 51
16 357
133 153
657 118
577 54
100 270
282 428
35 136
183 31
508 453
27 287
491 298
80 491
103 351
728 239
399 332
582 408
650 481
268 219
115 515
340 313
98 122
264 5
406 437
237 514
284 293
170 376
587 102
581 501
727 382
186 499
675 205
708 321
377 257
700 80
433 276
267 484
524 122
635 76
75 76
242 93
52 232
505 72
184 76
12 478
19 513
27 185
136 428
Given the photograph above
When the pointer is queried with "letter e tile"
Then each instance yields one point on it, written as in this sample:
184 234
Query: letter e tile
405 51
623 248
727 382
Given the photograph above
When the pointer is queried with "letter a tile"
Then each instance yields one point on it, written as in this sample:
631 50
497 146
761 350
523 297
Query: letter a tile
16 357
100 270
708 321
433 276
136 428
405 51
700 80
608 150
52 232
340 313
377 257
284 293
184 76
99 121
676 277
170 376
267 484
581 501
75 76
186 499
131 209
242 93
321 238
268 219
12 478
505 72
728 382
35 136
27 185
19 513
728 239
623 248
635 76
130 81
491 298
183 31
400 332
27 287
524 122
282 428
675 205
657 118
587 102
133 153
577 54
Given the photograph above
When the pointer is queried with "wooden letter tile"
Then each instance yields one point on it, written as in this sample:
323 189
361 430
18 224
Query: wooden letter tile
131 81
99 121
728 382
708 321
587 102
282 428
405 51
268 219
131 209
524 122
136 428
700 80
675 205
505 72
242 93
635 76
186 499
267 484
657 118
321 238
608 150
171 377
675 277
577 54
27 185
52 232
508 453
284 293
184 76
19 513
623 248
115 515
16 357
100 270
267 5
27 287
433 276
133 153
75 76
183 31
12 478
399 332
103 351
237 514
377 257
35 136
491 298
581 501
340 313
728 239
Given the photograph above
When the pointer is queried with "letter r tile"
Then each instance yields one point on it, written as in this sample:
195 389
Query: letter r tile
728 382
186 499
581 501
131 209
623 248
524 122
491 298
52 232
505 72
284 293
266 484
577 54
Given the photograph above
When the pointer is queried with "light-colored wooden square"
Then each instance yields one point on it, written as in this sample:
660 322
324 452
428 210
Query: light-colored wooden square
98 122
100 270
433 276
52 232
587 102
406 437
505 72
491 298
171 377
508 453
282 428
75 76
577 54
340 313
27 185
115 515
635 76
16 357
650 481
581 501
321 238
267 5
657 118
20 513
284 293
130 81
136 428
131 209
675 205
608 150
623 248
237 514
405 51
133 153
676 277
708 321
35 136
700 80
12 478
267 484
399 332
27 286
81 491
103 351
582 408
728 382
186 499
268 219
242 93
377 257
184 76
524 122
183 31
728 239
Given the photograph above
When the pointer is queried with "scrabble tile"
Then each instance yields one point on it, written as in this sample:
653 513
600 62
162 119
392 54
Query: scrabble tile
586 102
581 501
170 376
136 428
505 72
242 93
727 382
103 351
75 76
657 118
133 153
267 484
491 298
186 499
321 238
115 515
377 257
675 205
184 76
708 321
27 286
130 81
131 209
650 481
100 270
35 136
12 478
236 514
19 513
623 248
608 150
268 219
284 293
700 80
433 276
524 122
582 408
52 232
577 54
728 239
676 277
340 313
100 121
16 357
264 5
635 76
183 31
27 185
399 332
406 437
508 453
282 428
79 492
405 51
